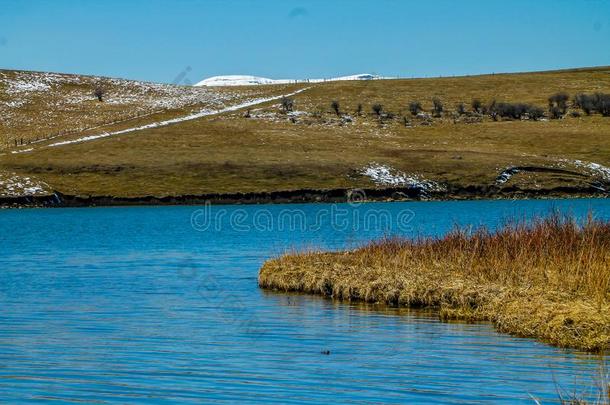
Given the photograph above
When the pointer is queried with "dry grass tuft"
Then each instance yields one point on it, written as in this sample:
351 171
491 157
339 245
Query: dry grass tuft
548 280
596 394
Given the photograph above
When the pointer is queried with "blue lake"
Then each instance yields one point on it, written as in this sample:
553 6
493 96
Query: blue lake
161 304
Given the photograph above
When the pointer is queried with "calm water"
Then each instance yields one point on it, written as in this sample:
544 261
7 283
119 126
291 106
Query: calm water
161 304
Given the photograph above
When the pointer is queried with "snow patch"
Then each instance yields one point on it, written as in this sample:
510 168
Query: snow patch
383 175
245 80
200 114
22 151
506 175
593 169
12 185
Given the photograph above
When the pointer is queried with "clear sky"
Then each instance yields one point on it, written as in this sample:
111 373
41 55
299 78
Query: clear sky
160 39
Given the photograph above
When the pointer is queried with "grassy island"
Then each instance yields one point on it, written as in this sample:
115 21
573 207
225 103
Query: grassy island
549 279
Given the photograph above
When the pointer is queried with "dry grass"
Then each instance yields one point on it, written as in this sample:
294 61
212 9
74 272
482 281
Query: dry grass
395 95
36 106
314 150
598 393
549 280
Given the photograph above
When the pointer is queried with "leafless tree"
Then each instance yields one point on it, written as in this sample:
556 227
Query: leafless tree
377 109
99 92
335 106
287 104
437 109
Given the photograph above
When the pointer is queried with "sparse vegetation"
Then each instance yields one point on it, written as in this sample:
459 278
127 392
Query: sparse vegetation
549 280
153 161
516 110
69 107
359 109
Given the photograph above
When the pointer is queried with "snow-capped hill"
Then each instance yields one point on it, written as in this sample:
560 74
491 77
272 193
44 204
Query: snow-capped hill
362 76
244 80
238 80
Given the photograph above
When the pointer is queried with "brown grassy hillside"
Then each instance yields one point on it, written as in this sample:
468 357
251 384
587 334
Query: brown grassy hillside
264 148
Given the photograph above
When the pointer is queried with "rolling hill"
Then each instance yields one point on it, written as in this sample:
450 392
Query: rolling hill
178 143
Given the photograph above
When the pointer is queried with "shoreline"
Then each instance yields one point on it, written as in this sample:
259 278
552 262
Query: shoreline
339 195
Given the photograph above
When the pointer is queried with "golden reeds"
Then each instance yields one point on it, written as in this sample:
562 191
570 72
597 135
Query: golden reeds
549 279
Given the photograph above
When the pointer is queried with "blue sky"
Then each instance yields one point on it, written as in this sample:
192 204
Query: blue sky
158 40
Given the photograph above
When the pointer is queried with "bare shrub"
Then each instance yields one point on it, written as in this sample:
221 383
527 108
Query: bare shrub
377 109
389 115
287 104
415 107
598 102
558 105
602 104
437 107
555 112
517 111
99 92
335 107
461 109
585 102
535 113
560 101
477 106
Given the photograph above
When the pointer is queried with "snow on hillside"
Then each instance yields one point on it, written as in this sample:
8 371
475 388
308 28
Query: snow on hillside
38 105
244 80
12 185
19 87
203 113
383 175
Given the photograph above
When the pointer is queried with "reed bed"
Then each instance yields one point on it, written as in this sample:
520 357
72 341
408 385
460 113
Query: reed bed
548 279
